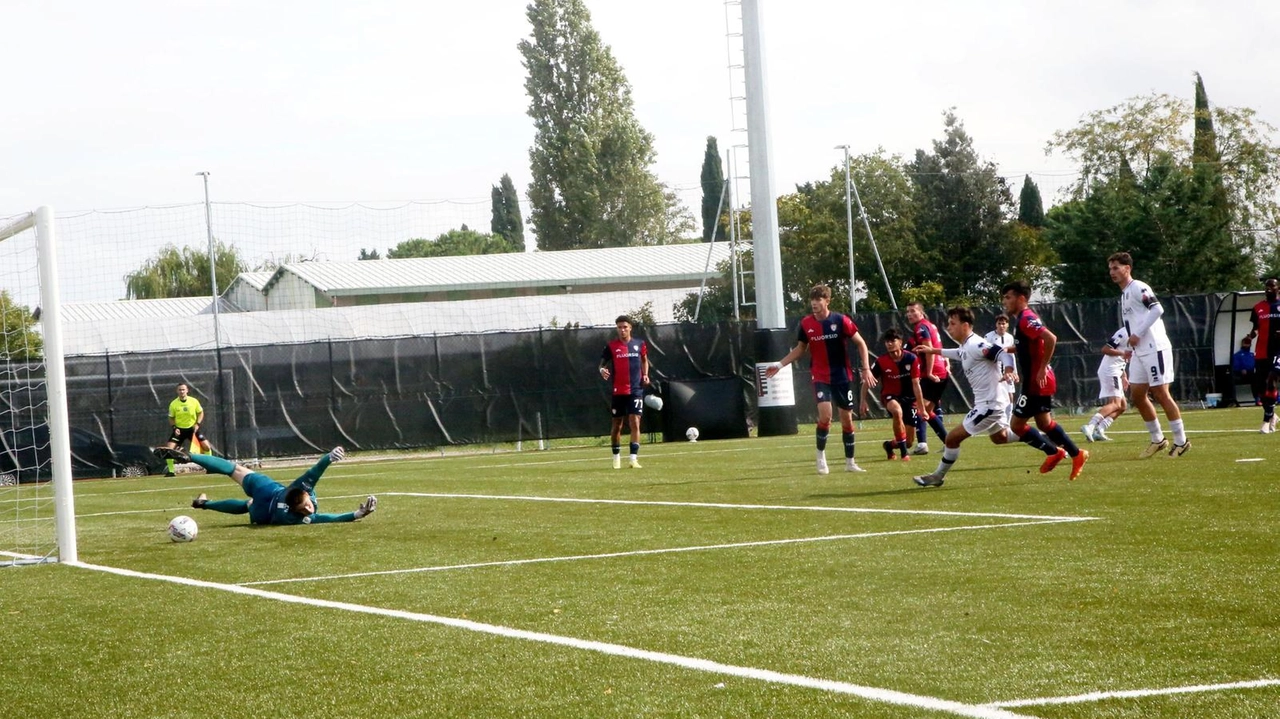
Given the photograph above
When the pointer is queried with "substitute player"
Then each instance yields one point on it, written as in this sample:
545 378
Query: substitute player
823 334
1151 366
269 501
898 372
185 417
1033 349
625 360
986 366
1111 386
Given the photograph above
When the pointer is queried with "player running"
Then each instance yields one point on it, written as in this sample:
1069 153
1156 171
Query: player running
269 501
1266 353
986 366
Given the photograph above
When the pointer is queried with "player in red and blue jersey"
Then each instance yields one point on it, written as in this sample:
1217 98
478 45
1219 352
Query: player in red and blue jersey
1033 348
1266 352
900 391
823 335
933 379
625 360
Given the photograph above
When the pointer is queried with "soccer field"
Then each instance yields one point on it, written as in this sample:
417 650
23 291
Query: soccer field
724 579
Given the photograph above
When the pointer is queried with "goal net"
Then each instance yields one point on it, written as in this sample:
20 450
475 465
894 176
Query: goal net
37 520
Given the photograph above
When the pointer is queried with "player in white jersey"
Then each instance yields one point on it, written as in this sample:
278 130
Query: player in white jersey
1151 366
1003 338
987 367
1111 386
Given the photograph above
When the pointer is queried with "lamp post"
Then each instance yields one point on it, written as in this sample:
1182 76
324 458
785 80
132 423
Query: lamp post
848 221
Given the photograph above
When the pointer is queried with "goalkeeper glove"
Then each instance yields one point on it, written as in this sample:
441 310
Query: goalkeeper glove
365 509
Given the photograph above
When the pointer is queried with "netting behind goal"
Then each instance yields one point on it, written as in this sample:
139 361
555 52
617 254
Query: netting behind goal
37 519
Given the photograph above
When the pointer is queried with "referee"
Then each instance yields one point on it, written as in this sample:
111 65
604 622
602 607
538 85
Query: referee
185 415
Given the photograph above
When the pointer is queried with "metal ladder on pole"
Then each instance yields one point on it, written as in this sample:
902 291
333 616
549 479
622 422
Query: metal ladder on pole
738 165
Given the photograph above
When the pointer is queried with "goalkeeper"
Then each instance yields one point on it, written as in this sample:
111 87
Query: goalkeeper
269 501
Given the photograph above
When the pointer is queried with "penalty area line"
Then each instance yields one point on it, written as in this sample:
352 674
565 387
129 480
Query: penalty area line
1136 693
887 696
643 552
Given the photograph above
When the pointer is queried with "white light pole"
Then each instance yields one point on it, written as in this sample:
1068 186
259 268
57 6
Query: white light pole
848 221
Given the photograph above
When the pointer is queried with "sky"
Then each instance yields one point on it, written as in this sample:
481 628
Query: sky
118 105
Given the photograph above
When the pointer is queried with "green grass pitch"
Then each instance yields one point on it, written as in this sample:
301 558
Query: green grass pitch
724 579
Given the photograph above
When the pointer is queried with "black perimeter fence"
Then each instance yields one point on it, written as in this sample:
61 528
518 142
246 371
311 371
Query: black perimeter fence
426 392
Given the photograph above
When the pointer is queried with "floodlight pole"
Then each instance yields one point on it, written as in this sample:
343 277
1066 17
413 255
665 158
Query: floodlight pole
213 285
848 222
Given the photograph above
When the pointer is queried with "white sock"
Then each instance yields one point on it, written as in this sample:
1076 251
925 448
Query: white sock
1179 434
1153 428
949 457
1105 424
1096 420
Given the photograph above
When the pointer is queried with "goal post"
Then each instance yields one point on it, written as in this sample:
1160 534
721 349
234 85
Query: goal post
33 392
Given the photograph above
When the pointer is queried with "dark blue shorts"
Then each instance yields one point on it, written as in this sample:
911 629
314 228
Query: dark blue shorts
841 395
625 404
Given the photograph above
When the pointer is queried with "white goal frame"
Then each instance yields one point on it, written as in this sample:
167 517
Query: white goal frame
41 220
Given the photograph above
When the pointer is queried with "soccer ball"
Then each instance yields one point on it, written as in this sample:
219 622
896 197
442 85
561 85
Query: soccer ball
183 529
691 434
653 401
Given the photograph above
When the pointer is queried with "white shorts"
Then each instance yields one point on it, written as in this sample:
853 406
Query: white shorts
985 420
1111 385
1153 369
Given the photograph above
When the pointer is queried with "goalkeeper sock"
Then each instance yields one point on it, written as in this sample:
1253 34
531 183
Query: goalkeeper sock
168 465
228 506
217 465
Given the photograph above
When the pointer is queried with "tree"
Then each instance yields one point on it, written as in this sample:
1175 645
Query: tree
20 340
1030 204
369 254
462 241
590 157
184 272
1142 129
714 200
963 212
507 222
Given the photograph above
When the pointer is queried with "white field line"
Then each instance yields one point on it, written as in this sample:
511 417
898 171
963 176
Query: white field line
667 550
719 505
887 696
1137 693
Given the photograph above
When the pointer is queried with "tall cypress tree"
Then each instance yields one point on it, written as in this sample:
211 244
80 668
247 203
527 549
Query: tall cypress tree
1030 204
505 218
590 158
714 203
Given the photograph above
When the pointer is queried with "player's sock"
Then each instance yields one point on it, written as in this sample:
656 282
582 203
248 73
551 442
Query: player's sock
168 466
217 465
939 427
1179 434
227 506
847 438
902 445
1097 419
1153 428
635 449
949 457
1268 408
1105 423
617 449
1032 436
821 435
1062 439
920 431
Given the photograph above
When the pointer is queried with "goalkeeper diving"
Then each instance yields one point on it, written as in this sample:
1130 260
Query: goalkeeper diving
269 501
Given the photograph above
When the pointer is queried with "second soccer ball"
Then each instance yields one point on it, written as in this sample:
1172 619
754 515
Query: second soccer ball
691 434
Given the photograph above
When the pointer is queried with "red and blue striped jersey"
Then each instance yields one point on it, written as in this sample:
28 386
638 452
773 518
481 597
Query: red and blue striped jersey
828 356
926 333
1028 338
896 375
625 361
1266 322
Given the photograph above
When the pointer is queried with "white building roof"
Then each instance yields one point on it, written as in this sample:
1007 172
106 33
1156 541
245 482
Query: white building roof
240 329
171 308
652 265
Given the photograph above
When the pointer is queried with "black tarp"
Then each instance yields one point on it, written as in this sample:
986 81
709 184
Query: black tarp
414 392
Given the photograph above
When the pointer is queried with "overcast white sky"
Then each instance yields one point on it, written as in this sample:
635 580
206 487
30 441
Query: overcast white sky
118 104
